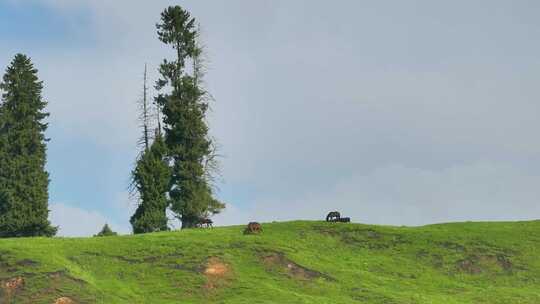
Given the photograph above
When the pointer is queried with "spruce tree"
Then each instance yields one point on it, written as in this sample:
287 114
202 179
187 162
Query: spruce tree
106 231
151 178
184 106
23 180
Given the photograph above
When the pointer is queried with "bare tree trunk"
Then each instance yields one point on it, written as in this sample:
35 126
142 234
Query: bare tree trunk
145 112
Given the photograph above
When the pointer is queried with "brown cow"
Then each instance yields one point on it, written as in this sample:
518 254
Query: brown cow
253 228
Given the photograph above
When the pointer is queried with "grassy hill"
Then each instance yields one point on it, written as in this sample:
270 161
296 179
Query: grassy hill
292 262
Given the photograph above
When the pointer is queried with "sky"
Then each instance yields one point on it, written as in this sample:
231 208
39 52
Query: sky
392 112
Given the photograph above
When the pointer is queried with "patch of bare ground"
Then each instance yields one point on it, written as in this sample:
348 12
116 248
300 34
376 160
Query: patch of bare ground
361 237
479 257
476 264
62 275
475 258
9 287
278 261
57 281
217 273
27 263
8 264
64 300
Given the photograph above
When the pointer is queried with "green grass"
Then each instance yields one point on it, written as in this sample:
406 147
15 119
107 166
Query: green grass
291 262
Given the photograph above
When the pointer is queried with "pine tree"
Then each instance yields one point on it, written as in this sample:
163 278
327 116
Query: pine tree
184 109
150 178
106 231
23 180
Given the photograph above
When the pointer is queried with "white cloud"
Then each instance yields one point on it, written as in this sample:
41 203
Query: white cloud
73 221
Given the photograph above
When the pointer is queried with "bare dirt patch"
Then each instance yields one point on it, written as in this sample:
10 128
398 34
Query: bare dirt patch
362 237
215 267
9 287
60 276
13 284
280 262
64 300
217 273
476 264
27 263
57 281
475 257
8 264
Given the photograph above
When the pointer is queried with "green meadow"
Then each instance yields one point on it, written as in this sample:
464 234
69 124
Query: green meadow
289 262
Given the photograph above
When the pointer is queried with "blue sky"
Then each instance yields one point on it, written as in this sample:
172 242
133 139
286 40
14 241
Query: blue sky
79 171
34 22
404 113
36 25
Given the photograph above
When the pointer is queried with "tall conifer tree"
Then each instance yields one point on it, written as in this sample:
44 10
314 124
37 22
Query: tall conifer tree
151 177
23 180
184 109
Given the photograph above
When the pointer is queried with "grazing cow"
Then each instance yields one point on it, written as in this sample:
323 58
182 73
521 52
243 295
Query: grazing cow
345 220
253 228
333 216
204 222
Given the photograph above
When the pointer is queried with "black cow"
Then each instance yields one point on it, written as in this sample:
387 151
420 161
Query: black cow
204 222
333 216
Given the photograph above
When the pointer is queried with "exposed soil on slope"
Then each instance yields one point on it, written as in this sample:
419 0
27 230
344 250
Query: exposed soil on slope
476 264
279 261
64 300
217 273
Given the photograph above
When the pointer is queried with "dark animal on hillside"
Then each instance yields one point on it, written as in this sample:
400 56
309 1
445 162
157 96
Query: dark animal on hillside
204 222
345 220
253 228
333 216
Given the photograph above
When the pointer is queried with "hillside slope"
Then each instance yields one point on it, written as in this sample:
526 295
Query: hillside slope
292 262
